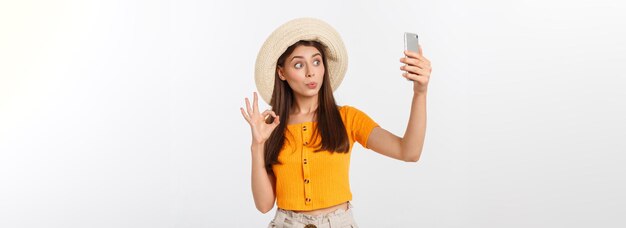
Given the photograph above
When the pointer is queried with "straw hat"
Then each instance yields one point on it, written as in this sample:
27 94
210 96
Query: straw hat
289 33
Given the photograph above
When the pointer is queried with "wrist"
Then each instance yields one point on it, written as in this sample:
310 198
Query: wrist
257 145
420 93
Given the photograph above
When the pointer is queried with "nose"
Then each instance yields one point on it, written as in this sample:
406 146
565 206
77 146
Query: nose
309 73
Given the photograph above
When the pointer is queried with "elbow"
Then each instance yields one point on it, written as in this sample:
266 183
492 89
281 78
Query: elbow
264 209
410 153
264 204
412 159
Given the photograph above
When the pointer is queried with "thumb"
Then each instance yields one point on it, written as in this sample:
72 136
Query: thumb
276 120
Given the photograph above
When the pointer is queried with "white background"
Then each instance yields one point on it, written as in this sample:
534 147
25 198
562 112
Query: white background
126 113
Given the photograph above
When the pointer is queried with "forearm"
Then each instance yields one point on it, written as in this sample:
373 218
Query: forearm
413 140
262 182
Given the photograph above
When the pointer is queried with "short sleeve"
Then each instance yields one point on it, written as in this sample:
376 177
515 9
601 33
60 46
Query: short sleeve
360 125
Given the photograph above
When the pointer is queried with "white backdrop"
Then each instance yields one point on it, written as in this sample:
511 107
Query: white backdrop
126 113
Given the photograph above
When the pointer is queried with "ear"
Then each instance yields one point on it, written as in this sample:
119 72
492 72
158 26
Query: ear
281 73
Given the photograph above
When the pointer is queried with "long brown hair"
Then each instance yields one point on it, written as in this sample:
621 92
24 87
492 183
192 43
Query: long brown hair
329 123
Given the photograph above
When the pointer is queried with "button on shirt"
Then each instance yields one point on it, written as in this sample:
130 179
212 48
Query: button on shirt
308 180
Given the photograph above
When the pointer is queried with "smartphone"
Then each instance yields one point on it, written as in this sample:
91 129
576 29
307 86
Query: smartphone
410 43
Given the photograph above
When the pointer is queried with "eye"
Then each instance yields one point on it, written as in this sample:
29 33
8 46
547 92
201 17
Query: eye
298 65
316 62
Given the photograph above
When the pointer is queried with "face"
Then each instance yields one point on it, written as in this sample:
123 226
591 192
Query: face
304 71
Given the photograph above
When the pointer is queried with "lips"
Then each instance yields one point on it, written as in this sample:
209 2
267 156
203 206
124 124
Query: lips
311 85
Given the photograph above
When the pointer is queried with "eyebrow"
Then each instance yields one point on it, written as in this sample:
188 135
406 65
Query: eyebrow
316 54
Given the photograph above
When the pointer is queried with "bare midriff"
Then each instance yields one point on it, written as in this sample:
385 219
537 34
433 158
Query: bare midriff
326 210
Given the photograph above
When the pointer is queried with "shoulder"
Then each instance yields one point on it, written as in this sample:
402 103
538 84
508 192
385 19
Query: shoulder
348 109
344 110
350 112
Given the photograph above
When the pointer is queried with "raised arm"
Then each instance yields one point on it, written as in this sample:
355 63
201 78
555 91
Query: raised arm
409 147
263 184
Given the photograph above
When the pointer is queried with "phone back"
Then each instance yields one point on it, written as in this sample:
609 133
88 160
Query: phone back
410 41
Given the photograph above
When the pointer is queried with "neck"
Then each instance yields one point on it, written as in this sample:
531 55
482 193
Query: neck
305 105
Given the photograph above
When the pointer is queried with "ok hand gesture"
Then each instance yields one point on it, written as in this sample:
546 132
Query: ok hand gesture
261 130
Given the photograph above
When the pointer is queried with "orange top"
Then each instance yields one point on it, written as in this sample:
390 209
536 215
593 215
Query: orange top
308 180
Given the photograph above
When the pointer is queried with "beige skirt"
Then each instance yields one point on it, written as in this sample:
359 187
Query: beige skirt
339 218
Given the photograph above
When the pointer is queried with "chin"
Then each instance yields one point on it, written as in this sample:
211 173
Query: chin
312 94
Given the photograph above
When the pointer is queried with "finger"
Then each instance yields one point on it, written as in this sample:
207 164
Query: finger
411 61
248 108
414 70
420 80
414 55
276 120
243 113
424 59
410 76
255 105
421 58
265 113
419 49
268 112
422 65
273 114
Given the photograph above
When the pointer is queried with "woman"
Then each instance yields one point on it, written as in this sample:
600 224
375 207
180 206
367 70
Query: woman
301 148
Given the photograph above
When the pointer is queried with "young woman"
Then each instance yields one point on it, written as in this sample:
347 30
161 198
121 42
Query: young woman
301 147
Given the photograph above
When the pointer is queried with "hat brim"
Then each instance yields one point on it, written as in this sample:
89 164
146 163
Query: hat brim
289 33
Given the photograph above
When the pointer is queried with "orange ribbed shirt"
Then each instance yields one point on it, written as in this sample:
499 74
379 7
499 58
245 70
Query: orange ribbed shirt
308 180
